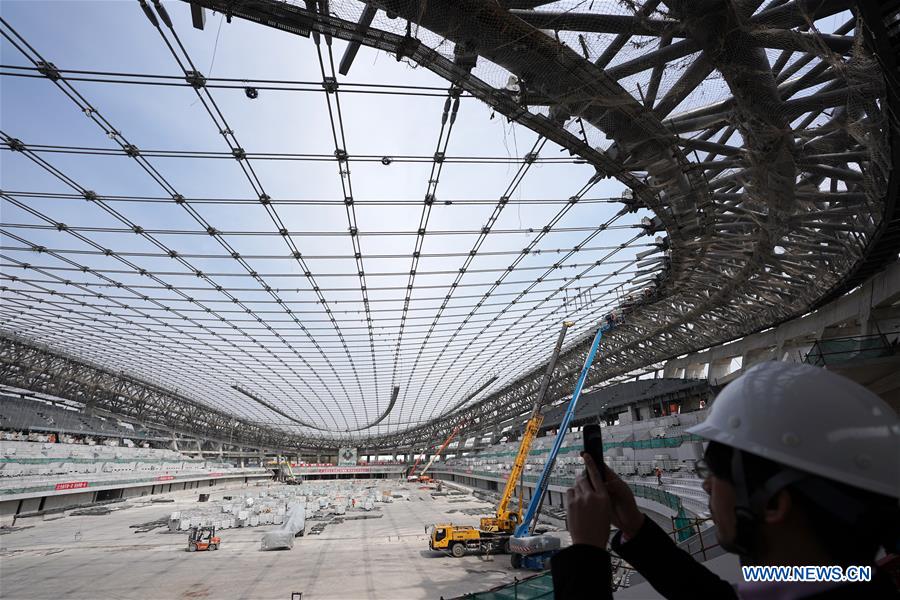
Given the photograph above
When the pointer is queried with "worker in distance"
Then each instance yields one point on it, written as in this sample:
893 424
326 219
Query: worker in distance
802 468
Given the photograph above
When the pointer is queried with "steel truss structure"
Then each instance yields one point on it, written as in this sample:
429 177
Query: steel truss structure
767 201
27 366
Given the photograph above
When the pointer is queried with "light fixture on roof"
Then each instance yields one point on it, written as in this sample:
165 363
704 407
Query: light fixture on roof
251 92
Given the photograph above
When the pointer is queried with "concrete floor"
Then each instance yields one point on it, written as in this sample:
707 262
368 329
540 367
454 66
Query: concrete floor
100 557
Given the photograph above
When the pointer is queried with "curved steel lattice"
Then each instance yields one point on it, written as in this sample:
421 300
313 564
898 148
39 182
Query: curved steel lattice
752 140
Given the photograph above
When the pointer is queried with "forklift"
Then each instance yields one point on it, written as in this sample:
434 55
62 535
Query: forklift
203 538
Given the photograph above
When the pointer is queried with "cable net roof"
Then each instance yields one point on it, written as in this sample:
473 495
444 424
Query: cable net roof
317 306
223 214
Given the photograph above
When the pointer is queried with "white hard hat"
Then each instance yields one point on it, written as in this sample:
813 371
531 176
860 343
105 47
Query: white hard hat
812 420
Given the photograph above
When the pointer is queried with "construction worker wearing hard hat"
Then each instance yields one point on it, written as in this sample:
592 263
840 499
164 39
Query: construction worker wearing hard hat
802 468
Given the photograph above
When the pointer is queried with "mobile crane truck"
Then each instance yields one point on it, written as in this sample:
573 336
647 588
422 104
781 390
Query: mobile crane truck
492 534
534 551
412 472
426 478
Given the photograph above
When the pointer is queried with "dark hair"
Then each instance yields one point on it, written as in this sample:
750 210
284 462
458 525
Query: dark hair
848 541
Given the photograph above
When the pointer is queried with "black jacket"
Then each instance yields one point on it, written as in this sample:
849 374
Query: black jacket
582 572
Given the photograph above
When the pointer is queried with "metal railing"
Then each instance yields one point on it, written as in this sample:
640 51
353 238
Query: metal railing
683 529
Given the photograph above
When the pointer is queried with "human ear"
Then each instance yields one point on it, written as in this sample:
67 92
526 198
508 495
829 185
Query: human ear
778 508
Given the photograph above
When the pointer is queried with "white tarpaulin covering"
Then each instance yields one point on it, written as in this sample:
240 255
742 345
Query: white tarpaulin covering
283 537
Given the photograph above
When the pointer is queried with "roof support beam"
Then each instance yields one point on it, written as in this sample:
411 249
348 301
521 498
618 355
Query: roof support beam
597 23
365 20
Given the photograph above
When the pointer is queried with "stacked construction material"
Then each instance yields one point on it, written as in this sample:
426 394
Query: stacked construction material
283 537
272 506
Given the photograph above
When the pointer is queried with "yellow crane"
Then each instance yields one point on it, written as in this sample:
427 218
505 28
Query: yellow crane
506 520
493 532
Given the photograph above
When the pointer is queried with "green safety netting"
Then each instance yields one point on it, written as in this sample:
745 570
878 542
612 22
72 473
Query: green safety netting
642 491
683 526
657 495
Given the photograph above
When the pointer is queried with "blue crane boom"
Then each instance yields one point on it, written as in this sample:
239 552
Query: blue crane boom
525 527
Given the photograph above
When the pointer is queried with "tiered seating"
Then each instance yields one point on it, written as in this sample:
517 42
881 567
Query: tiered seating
633 450
27 464
22 414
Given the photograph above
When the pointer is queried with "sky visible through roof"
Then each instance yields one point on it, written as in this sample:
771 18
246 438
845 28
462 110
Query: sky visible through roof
252 318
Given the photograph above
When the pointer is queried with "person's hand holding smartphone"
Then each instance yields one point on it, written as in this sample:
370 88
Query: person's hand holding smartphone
599 498
593 447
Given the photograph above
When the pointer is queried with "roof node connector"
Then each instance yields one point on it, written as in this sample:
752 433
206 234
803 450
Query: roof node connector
265 199
439 157
530 158
330 85
239 153
178 198
15 144
407 47
652 226
49 70
341 155
131 150
195 79
90 195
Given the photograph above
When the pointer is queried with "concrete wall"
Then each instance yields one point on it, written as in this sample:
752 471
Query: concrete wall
10 508
869 309
30 504
68 500
137 492
556 496
8 511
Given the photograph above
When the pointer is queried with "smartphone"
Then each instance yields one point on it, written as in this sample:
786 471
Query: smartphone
593 445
